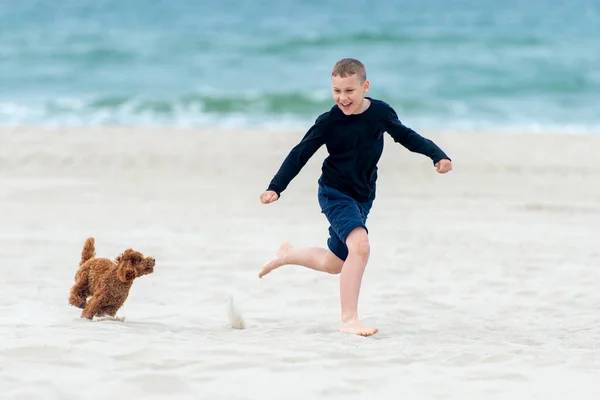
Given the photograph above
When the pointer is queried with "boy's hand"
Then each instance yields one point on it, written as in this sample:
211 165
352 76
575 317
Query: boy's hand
443 166
268 197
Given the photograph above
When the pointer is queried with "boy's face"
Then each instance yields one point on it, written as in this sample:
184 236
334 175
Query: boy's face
349 92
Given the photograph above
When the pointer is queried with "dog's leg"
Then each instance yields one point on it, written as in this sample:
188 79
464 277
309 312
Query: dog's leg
92 308
109 313
111 310
79 291
107 310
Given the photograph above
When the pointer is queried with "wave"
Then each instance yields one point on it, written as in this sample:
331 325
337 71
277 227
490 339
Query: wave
189 109
291 110
110 47
371 38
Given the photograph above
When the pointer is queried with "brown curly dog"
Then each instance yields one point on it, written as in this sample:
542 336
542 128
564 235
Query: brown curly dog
107 281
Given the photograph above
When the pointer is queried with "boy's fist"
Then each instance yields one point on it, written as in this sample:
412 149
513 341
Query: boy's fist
268 197
443 166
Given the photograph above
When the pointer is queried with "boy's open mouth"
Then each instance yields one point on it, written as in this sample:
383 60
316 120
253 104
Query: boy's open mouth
346 106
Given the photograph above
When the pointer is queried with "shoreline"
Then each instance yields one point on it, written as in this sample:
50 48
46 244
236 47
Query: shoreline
302 128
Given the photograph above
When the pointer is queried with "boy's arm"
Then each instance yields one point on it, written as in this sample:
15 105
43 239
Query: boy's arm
298 157
411 139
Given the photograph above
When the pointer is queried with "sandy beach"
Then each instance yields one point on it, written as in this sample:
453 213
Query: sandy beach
483 282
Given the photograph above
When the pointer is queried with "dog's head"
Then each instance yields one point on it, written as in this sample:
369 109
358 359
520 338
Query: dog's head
132 264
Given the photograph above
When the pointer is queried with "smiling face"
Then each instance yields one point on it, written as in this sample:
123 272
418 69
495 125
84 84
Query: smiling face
349 93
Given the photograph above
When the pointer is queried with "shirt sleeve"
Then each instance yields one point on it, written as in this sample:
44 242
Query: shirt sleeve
299 156
411 139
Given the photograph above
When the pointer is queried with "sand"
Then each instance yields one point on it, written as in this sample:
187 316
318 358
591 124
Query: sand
484 283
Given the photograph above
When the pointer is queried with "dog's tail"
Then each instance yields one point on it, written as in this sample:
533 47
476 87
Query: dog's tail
89 251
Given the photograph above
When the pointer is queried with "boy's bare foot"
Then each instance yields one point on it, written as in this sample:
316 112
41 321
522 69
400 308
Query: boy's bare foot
277 261
355 327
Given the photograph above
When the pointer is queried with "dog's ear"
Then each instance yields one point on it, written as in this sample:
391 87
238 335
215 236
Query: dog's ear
125 270
125 256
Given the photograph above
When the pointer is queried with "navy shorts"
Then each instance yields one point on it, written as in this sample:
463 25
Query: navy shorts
344 215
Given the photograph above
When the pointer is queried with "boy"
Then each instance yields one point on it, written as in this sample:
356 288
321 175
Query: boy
353 133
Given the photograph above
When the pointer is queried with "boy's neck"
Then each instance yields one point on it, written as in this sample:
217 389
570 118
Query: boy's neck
364 105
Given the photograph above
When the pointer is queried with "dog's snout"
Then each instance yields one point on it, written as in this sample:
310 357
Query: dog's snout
153 261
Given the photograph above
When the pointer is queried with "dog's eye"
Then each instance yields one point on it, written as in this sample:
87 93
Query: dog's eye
140 259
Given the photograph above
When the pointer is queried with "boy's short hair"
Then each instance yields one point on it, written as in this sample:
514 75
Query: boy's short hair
349 66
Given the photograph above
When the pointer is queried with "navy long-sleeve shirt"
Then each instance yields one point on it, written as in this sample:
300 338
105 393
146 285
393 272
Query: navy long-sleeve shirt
355 144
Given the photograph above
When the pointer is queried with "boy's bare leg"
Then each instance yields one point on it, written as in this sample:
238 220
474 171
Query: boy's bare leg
316 258
350 282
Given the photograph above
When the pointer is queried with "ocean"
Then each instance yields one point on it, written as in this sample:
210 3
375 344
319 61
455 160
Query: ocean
472 65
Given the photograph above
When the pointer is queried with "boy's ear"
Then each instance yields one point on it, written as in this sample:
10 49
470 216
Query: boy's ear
366 86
